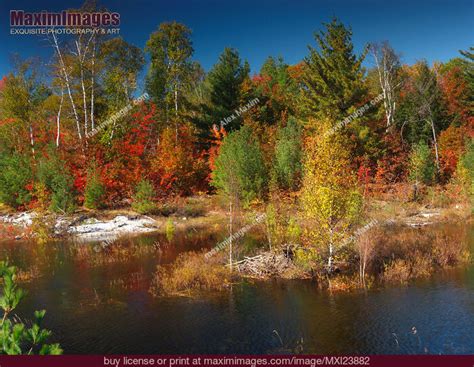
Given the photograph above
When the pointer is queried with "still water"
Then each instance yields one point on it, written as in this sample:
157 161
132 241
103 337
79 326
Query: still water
98 302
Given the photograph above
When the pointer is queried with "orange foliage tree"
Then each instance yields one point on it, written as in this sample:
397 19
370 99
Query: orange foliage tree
178 167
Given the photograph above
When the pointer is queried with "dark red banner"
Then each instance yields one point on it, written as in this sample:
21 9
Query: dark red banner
235 360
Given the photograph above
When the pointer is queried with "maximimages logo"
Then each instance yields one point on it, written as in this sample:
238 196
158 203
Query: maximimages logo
20 18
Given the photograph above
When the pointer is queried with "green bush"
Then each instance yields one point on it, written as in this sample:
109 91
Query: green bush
15 173
287 163
53 174
421 166
239 167
94 191
144 198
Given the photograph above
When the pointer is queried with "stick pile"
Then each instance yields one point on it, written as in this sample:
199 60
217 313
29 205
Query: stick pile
267 264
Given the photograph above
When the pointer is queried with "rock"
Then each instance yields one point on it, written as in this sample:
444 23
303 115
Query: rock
25 218
107 229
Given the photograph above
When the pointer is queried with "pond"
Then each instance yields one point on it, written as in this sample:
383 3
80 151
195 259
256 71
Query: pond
98 303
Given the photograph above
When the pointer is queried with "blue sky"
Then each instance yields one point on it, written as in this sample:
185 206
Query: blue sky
430 29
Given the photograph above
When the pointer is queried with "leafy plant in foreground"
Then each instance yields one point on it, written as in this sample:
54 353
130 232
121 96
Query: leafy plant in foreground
15 336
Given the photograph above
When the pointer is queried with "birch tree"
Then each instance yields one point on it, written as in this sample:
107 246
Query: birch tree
170 49
330 196
387 65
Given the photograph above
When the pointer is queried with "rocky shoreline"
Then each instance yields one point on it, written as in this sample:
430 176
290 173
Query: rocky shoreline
87 228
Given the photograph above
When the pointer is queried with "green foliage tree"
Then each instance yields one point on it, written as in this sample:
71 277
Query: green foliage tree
122 63
15 336
469 73
15 174
144 198
287 163
239 167
332 79
421 164
464 176
330 195
421 115
94 190
170 49
57 179
21 99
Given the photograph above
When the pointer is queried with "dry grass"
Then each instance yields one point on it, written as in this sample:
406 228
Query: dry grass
98 255
191 272
408 253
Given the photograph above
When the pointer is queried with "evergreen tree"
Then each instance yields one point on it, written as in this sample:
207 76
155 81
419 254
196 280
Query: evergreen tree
224 82
144 198
95 191
57 179
332 78
469 55
15 174
287 163
239 167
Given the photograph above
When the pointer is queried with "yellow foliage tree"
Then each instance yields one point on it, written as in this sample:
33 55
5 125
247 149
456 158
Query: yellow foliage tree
330 195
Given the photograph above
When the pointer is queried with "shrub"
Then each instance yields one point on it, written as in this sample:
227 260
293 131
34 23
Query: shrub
239 167
95 190
144 198
170 229
15 173
42 224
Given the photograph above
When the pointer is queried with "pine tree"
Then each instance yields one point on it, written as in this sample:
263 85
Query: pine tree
287 162
95 190
239 167
333 75
225 81
144 198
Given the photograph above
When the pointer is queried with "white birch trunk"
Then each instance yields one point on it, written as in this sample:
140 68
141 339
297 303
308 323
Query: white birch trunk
58 118
68 85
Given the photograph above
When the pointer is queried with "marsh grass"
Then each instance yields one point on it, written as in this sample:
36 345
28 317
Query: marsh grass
191 273
409 253
114 253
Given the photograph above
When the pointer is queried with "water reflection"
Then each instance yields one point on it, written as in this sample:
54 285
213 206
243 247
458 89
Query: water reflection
99 303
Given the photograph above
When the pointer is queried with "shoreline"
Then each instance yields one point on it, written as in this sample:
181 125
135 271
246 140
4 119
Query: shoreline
96 225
